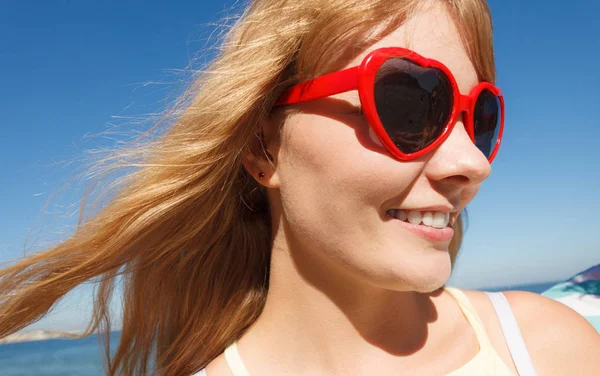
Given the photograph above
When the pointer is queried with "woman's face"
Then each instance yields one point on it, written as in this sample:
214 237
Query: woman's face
337 183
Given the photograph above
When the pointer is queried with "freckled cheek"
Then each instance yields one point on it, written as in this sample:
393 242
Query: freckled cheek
329 158
322 146
323 174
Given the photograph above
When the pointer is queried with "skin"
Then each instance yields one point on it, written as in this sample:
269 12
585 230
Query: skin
351 291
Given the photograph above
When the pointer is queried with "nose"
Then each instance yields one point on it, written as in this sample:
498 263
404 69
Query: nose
457 160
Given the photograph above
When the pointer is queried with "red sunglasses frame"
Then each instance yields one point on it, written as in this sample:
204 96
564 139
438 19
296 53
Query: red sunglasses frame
362 77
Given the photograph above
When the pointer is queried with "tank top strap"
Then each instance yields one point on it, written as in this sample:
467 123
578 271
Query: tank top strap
472 317
234 361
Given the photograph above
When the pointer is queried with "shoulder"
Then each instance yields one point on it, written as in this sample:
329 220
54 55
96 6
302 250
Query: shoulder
559 340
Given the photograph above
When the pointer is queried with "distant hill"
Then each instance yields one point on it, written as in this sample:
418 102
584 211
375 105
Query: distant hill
37 335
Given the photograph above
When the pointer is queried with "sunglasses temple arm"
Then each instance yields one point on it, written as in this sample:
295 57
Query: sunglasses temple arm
321 87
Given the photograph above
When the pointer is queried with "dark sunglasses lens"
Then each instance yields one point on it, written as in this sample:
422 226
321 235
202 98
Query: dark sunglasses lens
413 103
487 122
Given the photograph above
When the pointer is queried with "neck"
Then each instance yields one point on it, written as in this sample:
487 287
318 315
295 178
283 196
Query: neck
318 314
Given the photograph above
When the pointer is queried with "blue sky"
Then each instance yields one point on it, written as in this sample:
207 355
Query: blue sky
74 68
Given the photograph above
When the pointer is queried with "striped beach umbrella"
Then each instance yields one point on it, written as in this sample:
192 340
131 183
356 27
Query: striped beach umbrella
581 293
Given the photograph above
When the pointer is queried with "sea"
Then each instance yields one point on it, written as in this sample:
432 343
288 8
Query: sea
83 357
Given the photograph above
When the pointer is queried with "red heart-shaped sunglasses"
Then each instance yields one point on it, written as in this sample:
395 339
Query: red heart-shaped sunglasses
411 102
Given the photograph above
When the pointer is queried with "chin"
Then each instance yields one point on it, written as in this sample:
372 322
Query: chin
423 275
429 287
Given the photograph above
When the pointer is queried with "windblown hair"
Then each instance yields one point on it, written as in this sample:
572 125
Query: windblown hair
189 230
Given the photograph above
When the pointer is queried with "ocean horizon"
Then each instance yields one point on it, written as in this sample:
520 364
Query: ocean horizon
84 357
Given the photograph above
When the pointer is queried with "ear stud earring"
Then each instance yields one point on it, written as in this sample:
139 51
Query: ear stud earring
261 175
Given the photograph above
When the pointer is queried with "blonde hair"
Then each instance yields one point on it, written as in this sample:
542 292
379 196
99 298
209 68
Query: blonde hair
189 230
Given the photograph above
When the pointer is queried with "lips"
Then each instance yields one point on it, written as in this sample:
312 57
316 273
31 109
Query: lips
433 224
431 234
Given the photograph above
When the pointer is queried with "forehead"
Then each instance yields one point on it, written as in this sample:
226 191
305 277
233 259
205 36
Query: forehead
432 33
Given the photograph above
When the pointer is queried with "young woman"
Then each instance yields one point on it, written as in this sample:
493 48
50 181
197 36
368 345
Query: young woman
302 215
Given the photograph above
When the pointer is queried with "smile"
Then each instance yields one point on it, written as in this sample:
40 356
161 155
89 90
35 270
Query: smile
432 226
437 220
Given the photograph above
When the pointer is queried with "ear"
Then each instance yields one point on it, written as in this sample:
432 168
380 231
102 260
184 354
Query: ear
261 160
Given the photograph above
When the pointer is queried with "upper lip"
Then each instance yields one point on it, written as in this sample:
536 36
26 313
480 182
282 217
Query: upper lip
436 208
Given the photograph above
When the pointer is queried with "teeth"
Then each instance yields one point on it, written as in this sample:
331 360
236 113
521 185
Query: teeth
415 217
430 219
440 220
401 215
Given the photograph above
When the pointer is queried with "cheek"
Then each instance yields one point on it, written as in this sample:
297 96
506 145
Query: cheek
334 184
469 193
337 163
